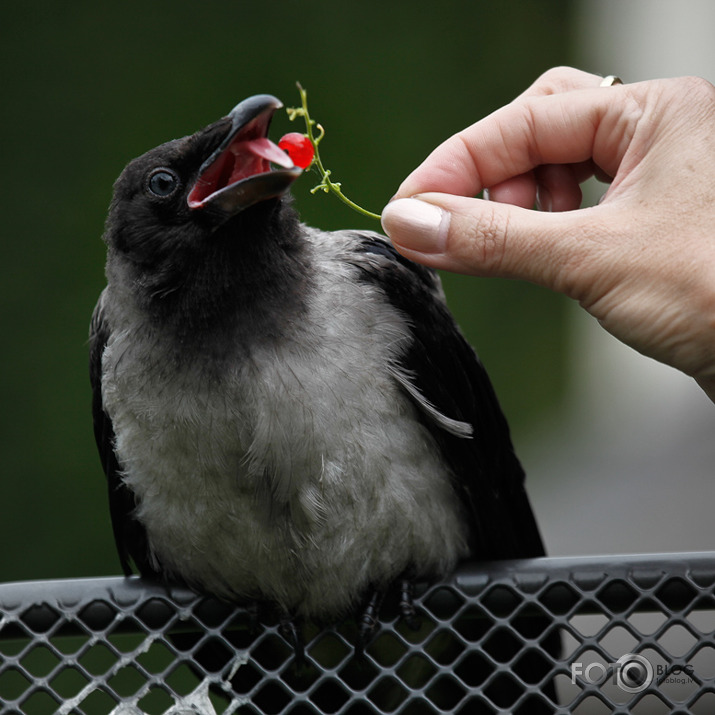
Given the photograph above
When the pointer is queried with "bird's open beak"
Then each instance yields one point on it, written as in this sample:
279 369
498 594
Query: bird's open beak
239 173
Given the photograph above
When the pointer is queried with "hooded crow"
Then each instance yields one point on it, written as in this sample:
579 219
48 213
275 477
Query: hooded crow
285 414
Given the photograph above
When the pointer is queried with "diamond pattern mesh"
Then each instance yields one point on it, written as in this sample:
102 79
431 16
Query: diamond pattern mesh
585 636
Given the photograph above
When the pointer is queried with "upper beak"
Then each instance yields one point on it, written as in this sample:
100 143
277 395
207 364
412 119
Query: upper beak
238 173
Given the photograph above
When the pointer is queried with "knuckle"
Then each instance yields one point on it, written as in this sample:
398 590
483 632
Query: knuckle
701 94
558 79
697 88
695 93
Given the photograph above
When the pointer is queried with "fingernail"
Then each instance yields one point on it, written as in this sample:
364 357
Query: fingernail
416 225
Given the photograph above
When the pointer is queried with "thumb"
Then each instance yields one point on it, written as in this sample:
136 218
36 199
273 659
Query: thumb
485 238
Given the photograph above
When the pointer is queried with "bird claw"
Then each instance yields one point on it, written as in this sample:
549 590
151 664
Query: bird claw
369 619
407 604
288 629
370 616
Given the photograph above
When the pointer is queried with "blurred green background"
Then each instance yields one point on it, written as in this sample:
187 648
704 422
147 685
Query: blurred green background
87 86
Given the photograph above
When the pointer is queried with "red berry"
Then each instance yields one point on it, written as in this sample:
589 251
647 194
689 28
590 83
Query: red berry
298 148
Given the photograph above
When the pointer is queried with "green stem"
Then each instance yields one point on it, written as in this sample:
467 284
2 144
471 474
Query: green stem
326 184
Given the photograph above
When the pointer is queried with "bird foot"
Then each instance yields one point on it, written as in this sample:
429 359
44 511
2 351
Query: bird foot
371 615
369 619
408 611
288 629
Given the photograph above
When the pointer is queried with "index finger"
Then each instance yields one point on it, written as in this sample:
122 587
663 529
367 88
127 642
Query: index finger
564 128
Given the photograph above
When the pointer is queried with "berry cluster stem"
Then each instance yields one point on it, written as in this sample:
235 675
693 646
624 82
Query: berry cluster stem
326 183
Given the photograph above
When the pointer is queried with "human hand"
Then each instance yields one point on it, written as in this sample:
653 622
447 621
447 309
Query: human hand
642 261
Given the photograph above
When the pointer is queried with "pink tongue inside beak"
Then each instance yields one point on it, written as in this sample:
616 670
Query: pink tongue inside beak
239 161
264 148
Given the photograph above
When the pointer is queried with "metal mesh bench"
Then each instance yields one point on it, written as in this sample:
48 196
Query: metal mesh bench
635 634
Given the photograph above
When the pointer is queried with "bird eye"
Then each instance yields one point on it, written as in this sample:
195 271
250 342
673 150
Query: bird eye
163 182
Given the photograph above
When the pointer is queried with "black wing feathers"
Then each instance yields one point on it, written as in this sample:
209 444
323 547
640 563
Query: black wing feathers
446 370
129 535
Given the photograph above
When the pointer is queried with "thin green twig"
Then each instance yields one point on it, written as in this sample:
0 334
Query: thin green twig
326 183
